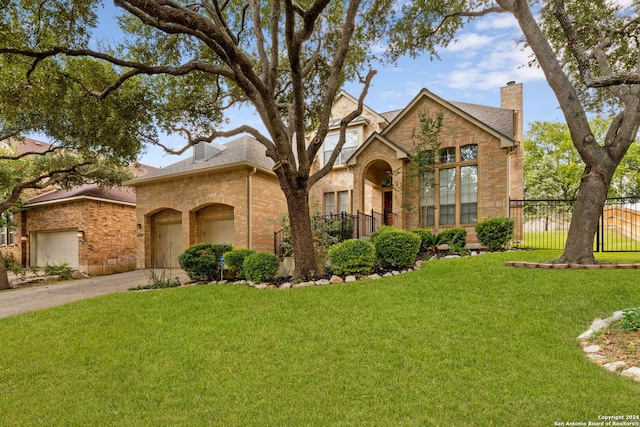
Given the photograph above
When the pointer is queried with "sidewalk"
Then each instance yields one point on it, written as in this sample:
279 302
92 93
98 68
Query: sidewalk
23 300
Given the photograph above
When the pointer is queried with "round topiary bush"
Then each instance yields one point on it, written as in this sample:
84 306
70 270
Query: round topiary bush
380 231
234 260
202 261
495 233
397 249
260 267
352 257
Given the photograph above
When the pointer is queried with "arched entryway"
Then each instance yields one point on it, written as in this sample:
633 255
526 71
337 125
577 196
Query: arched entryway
378 191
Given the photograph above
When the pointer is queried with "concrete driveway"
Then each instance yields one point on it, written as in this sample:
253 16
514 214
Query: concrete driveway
23 300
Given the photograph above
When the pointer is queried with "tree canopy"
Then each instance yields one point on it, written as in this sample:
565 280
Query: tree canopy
286 59
589 54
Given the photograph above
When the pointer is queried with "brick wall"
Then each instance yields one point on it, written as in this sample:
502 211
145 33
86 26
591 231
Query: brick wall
109 232
254 198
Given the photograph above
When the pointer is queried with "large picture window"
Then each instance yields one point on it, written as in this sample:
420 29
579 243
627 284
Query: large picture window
449 192
349 147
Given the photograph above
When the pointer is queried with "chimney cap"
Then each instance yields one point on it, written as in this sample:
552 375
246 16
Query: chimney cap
511 83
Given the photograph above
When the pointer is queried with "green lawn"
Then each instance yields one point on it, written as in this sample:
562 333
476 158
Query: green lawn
461 342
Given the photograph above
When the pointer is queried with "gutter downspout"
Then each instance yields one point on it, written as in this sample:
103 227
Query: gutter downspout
249 200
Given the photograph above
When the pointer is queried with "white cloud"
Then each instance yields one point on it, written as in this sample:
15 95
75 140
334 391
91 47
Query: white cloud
468 42
496 22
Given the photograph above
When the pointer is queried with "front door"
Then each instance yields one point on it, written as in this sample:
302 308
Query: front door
388 207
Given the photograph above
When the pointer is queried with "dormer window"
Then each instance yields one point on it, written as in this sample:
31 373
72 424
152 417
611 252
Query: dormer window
349 147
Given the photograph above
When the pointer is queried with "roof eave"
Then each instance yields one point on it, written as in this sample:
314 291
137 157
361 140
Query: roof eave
76 199
219 168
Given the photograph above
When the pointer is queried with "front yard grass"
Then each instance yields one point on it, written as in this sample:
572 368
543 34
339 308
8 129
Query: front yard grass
462 342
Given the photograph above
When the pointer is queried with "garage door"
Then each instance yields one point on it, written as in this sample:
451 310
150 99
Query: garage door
54 247
169 245
217 231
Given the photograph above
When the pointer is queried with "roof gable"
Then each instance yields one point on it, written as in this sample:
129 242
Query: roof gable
377 138
491 119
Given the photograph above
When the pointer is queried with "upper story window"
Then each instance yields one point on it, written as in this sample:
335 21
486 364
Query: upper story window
469 153
448 155
7 232
349 147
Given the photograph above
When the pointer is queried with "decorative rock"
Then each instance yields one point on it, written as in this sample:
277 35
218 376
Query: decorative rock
560 266
545 265
350 278
285 285
592 349
586 335
387 274
261 286
374 276
633 373
614 366
395 272
322 282
598 324
418 264
272 286
303 285
78 275
336 279
598 358
617 316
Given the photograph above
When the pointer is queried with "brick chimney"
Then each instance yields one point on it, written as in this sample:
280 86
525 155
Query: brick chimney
511 99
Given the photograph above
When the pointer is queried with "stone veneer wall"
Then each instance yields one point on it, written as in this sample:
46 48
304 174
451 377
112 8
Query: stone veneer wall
255 197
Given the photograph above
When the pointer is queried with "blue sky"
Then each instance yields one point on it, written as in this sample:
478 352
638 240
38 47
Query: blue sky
484 58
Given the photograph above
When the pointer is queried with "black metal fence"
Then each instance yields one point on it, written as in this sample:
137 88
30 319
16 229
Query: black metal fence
336 227
544 224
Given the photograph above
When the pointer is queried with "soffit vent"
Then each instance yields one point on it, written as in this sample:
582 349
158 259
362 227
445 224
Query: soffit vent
203 151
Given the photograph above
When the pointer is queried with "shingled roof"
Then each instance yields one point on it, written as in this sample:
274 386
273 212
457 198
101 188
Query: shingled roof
499 119
241 150
92 191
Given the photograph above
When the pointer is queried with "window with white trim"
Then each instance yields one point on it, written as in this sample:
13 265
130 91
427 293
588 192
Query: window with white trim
329 203
349 147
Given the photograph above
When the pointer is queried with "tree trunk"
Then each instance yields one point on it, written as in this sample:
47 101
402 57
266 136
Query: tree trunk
592 196
4 278
301 234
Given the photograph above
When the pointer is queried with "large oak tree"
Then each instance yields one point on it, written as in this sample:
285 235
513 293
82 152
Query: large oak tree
589 53
287 59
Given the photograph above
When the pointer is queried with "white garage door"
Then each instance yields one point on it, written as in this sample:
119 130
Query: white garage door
169 245
217 231
54 247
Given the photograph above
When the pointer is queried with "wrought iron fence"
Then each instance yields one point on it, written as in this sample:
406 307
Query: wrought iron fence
544 224
336 227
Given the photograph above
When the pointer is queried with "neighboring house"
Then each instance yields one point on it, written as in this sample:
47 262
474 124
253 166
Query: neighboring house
477 170
224 194
89 228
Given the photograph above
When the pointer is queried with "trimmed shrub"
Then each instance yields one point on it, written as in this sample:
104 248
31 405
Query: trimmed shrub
260 267
352 257
380 231
495 233
454 237
234 260
202 261
397 249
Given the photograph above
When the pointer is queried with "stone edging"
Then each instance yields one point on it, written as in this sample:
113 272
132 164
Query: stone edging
332 281
612 266
593 350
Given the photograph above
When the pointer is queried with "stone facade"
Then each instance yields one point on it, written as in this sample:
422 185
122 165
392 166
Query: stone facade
377 177
248 198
